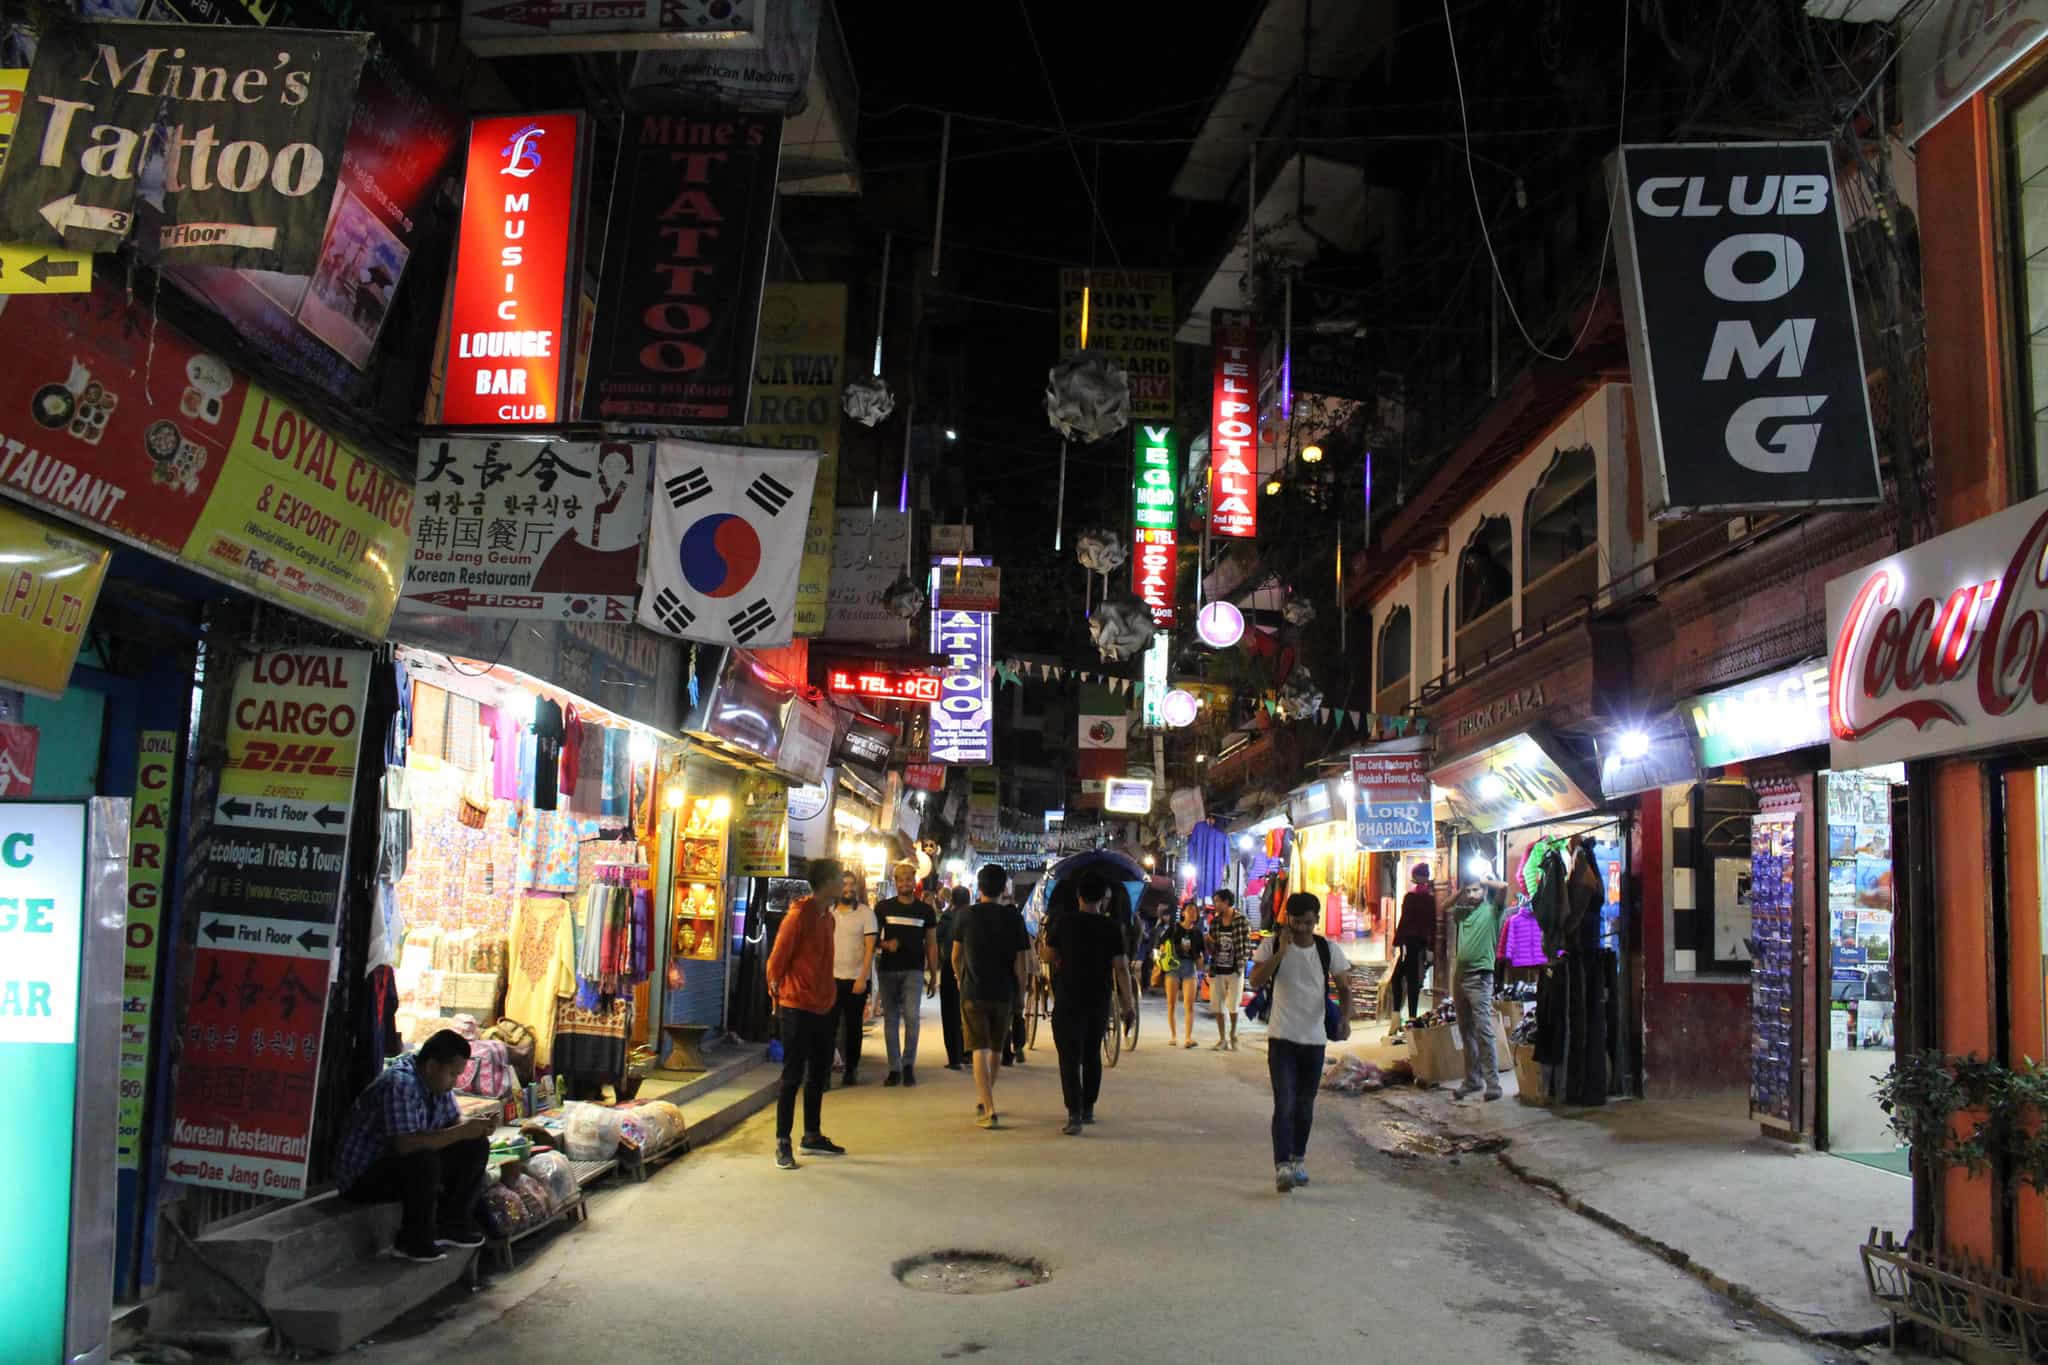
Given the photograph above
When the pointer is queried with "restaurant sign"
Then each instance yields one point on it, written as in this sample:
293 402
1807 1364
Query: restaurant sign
1522 780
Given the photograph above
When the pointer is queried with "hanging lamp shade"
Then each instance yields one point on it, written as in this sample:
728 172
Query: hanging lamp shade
1299 611
1088 397
904 598
867 400
1122 628
1101 550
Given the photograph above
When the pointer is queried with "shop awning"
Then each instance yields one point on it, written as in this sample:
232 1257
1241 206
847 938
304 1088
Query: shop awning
1525 779
1316 803
1657 752
751 716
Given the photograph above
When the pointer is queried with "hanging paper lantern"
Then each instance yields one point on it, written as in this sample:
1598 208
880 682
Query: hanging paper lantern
867 400
904 598
1088 397
1180 708
1101 550
1299 611
1220 625
1300 698
1121 628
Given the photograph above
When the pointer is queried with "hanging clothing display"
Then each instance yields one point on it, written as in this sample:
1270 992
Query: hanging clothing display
542 970
1209 854
547 753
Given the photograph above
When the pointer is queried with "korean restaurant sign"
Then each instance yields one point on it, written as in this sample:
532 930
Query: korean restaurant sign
1234 426
245 133
517 528
1519 781
1130 317
255 1007
1155 497
516 256
1943 648
1742 327
686 252
49 583
1951 49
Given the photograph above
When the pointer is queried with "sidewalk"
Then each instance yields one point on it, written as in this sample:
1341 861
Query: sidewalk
1772 1226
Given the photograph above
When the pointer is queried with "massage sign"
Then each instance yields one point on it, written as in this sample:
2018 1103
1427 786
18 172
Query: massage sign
267 912
243 130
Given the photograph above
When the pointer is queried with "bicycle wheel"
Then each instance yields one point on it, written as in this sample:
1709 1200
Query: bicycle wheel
1112 1042
1137 1016
1034 1006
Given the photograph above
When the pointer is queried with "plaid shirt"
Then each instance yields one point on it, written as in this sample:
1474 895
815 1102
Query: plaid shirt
1229 946
397 1102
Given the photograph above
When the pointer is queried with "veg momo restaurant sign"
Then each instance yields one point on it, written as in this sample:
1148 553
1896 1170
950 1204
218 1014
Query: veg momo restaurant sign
515 255
243 132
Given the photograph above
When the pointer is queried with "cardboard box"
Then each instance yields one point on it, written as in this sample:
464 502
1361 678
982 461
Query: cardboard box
1528 1075
1435 1055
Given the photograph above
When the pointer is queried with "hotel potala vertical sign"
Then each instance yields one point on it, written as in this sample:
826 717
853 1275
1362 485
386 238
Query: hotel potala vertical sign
1742 327
514 259
1233 426
1154 494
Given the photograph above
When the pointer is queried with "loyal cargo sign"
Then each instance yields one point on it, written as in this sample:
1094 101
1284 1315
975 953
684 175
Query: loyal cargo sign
1127 315
244 133
1233 426
49 584
686 249
515 257
268 902
525 528
1155 498
149 850
1742 327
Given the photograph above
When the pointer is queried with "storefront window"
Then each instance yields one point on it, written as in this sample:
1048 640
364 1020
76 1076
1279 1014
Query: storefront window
2028 132
1860 1034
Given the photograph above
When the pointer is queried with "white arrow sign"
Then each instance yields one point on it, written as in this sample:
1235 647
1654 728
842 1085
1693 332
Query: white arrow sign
67 213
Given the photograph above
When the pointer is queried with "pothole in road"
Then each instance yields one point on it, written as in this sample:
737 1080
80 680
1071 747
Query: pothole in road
970 1272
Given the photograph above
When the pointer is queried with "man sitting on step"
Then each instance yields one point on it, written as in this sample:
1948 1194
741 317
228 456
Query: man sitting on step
405 1141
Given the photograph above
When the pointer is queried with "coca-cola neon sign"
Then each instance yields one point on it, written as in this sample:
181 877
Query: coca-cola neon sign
1943 647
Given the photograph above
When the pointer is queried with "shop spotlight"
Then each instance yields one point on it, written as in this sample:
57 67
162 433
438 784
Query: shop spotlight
1311 454
1201 758
1479 866
721 808
1492 787
1244 841
1272 488
952 434
640 747
956 866
1633 744
1150 861
673 797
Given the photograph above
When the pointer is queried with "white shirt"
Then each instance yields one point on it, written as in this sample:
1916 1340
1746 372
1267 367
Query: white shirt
850 925
1298 990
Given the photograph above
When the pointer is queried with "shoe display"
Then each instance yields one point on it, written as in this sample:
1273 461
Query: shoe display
421 1255
893 1078
909 1076
822 1146
1073 1125
464 1236
785 1158
1283 1177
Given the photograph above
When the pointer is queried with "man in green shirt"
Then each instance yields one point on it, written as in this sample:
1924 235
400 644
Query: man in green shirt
1476 921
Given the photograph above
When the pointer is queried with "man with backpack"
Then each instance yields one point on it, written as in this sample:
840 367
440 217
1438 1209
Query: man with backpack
1301 967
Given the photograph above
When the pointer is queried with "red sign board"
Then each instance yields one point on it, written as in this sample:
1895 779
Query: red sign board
884 684
925 777
1234 426
508 319
1152 573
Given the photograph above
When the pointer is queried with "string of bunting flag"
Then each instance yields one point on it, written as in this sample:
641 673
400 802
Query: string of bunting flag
1371 724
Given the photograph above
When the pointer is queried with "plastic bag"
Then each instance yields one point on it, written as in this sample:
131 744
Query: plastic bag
532 1193
553 1170
592 1132
504 1212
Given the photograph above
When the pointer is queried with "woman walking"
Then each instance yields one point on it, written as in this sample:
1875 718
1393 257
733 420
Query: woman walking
1181 948
1413 935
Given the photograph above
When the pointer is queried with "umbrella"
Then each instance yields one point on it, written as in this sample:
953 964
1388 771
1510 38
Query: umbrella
1055 891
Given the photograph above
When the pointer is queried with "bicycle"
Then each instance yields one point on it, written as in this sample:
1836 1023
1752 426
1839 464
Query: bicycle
1137 1012
1037 1004
1112 1039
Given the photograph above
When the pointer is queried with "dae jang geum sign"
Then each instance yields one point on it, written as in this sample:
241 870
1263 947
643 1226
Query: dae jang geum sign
243 129
1742 336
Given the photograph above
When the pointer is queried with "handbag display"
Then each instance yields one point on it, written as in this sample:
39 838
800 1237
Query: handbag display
519 1045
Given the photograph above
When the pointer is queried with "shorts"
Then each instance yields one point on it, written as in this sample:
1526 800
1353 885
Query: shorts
1185 970
1226 992
986 1024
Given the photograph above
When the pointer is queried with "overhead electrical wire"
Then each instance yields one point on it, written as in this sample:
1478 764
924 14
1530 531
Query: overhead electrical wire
1052 92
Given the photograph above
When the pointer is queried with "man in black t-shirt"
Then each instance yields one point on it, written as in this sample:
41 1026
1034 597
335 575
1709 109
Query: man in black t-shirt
1085 949
990 954
909 958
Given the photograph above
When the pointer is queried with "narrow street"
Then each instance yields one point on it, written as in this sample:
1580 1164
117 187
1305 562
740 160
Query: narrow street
1160 1227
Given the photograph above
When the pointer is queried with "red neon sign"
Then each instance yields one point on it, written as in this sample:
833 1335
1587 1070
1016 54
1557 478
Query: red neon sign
509 306
1234 426
884 685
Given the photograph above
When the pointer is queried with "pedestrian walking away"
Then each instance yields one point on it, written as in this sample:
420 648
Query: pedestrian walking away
802 989
854 936
1413 934
909 971
957 901
1013 1052
1302 967
1230 942
1181 947
991 953
1084 949
1477 915
404 1141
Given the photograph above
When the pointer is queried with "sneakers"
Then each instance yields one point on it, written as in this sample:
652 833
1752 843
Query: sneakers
987 1120
1073 1125
419 1255
850 1078
909 1076
1283 1177
1300 1171
1465 1091
822 1146
1087 1116
1008 1060
1491 1095
464 1236
955 1066
893 1078
784 1158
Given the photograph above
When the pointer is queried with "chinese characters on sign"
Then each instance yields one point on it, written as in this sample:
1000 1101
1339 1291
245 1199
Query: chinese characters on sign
529 528
1155 496
1233 426
1131 319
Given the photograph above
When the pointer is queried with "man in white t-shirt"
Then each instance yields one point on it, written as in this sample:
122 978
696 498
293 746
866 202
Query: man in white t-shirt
1301 966
854 934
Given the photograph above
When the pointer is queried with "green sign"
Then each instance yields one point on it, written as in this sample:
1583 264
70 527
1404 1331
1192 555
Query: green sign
42 932
1154 503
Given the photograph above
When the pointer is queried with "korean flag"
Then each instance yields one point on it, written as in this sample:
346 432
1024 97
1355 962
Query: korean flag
725 542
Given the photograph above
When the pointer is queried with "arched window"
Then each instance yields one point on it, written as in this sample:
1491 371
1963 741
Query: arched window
1563 520
1443 632
1397 648
1486 570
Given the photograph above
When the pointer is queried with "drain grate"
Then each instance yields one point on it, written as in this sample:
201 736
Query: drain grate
970 1272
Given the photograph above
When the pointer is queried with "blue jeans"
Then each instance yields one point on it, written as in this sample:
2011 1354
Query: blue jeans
902 998
1296 1069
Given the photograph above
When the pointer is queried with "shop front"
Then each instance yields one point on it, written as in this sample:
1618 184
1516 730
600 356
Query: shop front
1324 862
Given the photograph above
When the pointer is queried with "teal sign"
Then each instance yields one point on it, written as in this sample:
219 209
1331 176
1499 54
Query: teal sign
1774 714
42 934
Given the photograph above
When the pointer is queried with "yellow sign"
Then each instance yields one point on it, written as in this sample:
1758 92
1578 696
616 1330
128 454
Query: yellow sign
34 269
761 828
299 517
49 581
1130 318
295 731
798 374
149 844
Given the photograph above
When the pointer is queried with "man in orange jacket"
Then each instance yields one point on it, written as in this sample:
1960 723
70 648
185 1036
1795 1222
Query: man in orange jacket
800 983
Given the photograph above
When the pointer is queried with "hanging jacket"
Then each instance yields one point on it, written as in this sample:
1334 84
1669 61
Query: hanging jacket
1549 903
1521 940
1583 896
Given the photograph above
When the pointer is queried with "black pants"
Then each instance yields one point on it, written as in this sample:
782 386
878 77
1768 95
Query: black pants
847 1010
1296 1070
1408 978
438 1187
1077 1033
949 1014
806 1066
1017 1034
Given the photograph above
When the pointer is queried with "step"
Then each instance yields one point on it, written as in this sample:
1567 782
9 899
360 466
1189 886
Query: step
714 1113
681 1087
343 1306
283 1249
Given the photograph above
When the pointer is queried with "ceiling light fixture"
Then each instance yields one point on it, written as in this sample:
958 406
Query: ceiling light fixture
1311 454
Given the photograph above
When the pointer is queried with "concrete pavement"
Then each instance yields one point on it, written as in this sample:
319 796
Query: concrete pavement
1160 1225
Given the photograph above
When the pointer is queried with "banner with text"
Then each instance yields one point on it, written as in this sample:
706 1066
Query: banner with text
761 829
1155 504
49 583
1390 805
1234 426
149 848
1130 318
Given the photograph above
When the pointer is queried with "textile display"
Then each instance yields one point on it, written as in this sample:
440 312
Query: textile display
542 970
429 721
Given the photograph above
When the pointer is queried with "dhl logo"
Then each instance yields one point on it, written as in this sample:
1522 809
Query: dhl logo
261 756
